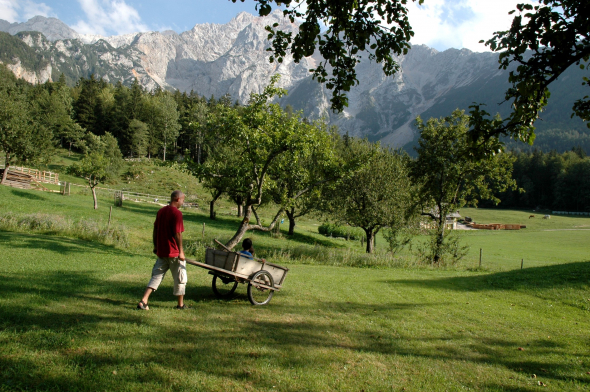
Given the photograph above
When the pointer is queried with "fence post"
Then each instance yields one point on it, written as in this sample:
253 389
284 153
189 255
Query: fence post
480 252
118 198
203 233
521 263
110 214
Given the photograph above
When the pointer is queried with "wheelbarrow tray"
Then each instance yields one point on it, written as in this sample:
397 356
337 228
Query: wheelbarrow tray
233 264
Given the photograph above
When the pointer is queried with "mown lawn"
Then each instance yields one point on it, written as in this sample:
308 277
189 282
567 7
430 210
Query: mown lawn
68 323
68 318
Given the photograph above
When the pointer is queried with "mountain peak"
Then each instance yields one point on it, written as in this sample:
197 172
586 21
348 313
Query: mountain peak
52 28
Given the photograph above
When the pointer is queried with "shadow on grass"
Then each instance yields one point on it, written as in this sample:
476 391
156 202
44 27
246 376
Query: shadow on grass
213 344
571 275
140 208
231 224
308 239
62 245
27 195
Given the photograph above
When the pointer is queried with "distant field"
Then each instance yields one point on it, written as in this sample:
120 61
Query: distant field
560 239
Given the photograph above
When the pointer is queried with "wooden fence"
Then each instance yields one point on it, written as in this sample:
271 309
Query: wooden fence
119 196
38 175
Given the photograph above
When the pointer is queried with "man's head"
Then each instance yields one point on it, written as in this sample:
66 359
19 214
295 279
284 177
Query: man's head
247 244
177 198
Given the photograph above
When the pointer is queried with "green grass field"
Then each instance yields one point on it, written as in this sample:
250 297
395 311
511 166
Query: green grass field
68 318
557 240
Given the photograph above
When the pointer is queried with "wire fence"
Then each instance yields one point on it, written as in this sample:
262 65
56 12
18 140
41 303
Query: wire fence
570 213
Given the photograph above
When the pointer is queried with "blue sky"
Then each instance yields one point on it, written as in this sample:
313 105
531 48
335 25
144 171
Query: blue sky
441 24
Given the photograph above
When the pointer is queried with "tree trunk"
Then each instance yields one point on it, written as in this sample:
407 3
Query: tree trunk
212 205
164 150
370 240
94 197
240 209
70 150
6 165
242 229
440 235
291 216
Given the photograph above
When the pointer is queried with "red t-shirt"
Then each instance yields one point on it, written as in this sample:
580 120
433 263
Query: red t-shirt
168 222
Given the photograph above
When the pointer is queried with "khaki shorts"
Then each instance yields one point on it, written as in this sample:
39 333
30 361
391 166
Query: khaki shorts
178 269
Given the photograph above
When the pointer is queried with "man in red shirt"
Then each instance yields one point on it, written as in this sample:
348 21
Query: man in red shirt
167 237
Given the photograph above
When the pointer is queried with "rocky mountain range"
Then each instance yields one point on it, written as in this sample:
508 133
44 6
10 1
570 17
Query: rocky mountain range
214 60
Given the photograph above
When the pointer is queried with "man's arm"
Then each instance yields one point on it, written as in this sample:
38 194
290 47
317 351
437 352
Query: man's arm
154 236
178 238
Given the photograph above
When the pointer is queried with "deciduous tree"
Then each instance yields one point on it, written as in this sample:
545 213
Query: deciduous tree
375 195
101 164
450 173
545 39
298 175
256 136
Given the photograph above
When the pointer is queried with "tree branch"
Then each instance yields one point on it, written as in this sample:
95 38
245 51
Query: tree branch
259 226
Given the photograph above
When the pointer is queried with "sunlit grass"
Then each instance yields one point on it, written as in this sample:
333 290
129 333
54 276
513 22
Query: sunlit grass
67 322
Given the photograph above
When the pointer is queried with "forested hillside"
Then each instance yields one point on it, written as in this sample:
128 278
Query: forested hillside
550 181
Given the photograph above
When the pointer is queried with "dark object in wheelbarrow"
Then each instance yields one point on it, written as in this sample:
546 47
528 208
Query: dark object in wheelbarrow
230 268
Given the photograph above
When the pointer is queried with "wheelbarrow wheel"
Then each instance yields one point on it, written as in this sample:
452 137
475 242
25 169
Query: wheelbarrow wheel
223 287
260 295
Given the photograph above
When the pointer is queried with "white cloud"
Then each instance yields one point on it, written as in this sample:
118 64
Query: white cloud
9 10
31 9
20 11
109 17
447 24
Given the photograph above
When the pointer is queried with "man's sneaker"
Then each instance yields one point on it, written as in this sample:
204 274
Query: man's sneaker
183 307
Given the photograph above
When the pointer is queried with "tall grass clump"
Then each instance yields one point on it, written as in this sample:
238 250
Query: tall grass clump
334 230
321 255
87 229
196 248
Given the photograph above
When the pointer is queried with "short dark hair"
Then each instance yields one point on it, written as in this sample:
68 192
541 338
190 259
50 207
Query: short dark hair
247 244
176 195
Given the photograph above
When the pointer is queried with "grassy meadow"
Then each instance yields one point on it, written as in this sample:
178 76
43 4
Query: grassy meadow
68 318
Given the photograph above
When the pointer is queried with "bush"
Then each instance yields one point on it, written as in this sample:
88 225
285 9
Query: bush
196 248
334 230
451 251
135 172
